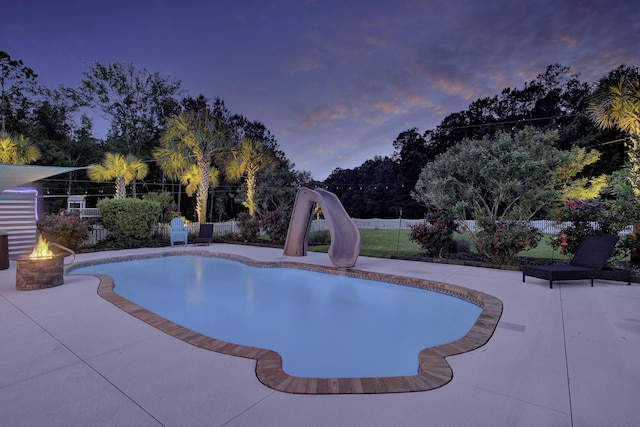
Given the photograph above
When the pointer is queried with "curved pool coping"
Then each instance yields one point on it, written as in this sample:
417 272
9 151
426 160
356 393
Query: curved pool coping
434 371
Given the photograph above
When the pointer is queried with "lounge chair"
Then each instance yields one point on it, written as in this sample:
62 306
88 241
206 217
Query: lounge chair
588 262
205 235
178 232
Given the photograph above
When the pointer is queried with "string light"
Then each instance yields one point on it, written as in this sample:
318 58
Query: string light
79 184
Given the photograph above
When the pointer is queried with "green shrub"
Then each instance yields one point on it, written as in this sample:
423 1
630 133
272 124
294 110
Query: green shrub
501 241
64 228
249 227
464 244
435 234
595 216
168 207
317 238
231 237
276 225
130 221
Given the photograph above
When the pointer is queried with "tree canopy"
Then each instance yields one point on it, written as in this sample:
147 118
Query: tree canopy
189 145
135 101
501 177
615 103
17 81
17 150
555 101
138 104
119 168
247 159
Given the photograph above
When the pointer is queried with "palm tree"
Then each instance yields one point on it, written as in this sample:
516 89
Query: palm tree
191 179
616 103
173 162
247 158
122 169
17 150
191 140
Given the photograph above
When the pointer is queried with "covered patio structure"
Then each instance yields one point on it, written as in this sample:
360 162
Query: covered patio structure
18 205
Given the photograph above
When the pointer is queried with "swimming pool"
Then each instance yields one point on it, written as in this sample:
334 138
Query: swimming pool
322 325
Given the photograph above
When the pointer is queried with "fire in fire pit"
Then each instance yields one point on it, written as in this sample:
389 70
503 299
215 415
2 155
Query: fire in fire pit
41 251
42 269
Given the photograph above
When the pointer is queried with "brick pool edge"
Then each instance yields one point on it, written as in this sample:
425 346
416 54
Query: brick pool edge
434 371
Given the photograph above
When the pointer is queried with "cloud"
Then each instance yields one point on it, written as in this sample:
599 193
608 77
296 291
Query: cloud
335 81
389 107
405 104
303 65
323 114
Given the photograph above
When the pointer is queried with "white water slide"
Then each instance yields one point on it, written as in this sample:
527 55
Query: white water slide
345 236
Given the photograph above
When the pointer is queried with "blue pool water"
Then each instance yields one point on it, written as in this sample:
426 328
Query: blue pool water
323 325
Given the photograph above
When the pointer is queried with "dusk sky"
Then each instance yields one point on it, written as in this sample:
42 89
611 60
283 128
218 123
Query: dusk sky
335 81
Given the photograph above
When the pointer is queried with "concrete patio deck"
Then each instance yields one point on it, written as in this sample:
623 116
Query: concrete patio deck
567 356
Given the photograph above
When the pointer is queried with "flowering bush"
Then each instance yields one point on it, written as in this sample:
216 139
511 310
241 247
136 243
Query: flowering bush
64 228
249 227
276 225
435 234
501 241
594 216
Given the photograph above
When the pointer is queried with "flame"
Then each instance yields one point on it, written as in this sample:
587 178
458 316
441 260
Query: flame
42 249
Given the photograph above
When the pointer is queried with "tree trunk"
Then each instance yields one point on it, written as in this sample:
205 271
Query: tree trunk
203 192
634 178
251 189
134 193
179 197
121 189
2 109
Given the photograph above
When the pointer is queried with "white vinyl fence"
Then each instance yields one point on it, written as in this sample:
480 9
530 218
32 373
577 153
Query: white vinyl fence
99 233
219 228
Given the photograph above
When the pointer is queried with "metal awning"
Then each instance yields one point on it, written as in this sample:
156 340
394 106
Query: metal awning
12 176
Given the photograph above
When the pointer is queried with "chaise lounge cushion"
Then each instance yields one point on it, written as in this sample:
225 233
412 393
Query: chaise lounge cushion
588 263
205 235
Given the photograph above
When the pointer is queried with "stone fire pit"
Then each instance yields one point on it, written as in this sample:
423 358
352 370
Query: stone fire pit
39 273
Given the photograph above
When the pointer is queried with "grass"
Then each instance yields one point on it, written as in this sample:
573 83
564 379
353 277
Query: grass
544 250
381 244
388 243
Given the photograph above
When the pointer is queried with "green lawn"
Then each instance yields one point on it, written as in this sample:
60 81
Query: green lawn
544 250
381 244
387 243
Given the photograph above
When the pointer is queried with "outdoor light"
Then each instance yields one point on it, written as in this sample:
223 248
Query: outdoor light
27 191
